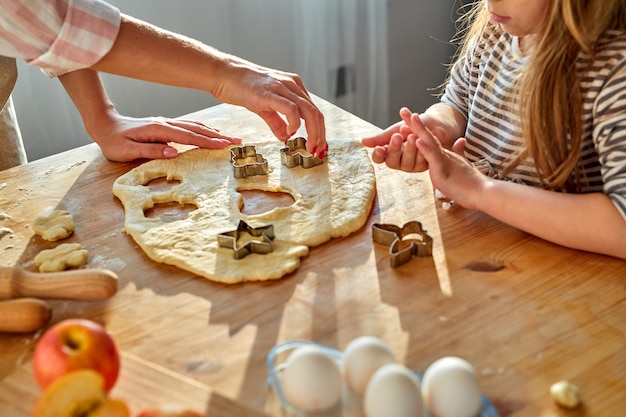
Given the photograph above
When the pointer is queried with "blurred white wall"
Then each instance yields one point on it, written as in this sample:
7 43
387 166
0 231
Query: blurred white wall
368 56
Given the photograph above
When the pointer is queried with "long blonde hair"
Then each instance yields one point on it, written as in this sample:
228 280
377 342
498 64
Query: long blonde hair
548 89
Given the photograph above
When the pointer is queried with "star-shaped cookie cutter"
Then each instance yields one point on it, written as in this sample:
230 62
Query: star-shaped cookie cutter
263 245
295 154
392 235
248 169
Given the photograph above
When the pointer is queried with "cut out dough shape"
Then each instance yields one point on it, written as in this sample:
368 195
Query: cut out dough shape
331 200
57 225
64 256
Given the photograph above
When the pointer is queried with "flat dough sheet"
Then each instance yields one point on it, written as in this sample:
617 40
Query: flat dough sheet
331 200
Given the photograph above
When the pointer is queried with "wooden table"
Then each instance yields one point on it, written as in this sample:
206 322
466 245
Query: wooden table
526 313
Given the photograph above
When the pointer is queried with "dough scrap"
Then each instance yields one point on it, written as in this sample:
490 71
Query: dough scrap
58 225
4 231
565 394
64 256
331 200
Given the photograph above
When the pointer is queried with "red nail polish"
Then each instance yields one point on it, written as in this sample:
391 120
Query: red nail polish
326 149
321 155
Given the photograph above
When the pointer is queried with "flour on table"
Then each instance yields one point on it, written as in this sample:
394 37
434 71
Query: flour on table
330 201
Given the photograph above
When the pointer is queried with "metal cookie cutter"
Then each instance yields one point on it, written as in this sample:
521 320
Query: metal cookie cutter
296 154
392 235
262 245
248 169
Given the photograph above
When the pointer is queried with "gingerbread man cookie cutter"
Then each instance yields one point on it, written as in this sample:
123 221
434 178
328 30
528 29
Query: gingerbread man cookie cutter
261 242
392 235
295 154
243 168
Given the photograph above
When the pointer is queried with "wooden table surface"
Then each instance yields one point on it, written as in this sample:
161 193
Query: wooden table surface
526 313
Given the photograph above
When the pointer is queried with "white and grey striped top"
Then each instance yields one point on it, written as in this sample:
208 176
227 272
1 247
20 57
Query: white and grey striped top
480 87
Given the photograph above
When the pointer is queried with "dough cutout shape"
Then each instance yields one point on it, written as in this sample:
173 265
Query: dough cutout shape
64 256
57 225
331 200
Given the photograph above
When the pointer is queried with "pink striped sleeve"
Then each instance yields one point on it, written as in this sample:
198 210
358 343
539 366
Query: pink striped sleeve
58 36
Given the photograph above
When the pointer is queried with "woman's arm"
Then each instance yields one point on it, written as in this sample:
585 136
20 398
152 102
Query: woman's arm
147 52
124 138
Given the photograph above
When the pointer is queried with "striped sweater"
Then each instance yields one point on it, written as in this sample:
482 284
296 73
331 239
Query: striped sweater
58 36
480 88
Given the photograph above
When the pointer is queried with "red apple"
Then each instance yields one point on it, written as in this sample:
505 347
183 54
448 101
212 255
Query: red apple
75 344
168 411
79 393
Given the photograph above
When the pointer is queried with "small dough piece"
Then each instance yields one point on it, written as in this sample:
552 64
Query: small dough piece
64 256
565 394
4 231
56 226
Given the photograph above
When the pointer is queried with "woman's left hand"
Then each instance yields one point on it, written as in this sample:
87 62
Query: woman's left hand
124 138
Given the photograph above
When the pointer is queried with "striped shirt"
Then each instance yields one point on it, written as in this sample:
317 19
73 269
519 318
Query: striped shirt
480 87
58 36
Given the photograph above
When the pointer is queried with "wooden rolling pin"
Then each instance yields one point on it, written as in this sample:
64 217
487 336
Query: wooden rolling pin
76 284
23 315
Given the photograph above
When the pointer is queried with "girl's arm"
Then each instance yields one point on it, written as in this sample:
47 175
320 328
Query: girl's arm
589 222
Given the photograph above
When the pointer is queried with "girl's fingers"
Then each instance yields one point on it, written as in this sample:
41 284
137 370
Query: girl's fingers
458 146
379 154
383 137
409 155
394 152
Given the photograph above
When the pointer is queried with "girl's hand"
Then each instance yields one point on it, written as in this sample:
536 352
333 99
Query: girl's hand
395 146
380 142
449 171
124 139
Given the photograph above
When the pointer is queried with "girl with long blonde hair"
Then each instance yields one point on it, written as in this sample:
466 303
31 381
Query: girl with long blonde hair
531 126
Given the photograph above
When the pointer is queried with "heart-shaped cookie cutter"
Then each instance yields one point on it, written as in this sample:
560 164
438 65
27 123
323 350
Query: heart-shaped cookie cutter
393 235
263 245
244 169
295 154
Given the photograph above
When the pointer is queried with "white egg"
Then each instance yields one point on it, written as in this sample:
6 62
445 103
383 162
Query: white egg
450 388
361 358
311 379
393 391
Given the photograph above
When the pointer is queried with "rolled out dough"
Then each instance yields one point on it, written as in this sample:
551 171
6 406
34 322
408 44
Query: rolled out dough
331 200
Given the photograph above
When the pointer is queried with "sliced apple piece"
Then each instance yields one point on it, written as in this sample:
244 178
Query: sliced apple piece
111 407
74 394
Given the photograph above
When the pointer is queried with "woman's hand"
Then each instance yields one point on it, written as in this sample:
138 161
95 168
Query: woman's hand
271 93
124 139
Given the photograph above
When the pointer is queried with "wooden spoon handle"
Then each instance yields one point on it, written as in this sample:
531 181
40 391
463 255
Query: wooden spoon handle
23 315
77 284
